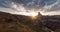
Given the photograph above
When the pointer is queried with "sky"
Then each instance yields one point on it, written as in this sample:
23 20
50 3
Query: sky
22 7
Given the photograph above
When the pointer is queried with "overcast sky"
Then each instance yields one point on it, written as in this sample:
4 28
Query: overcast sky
46 7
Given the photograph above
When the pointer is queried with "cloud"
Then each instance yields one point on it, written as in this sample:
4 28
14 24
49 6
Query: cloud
44 6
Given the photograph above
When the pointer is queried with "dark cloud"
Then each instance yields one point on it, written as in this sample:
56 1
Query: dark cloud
31 3
55 8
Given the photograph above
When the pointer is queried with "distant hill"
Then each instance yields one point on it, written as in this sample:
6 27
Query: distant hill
51 22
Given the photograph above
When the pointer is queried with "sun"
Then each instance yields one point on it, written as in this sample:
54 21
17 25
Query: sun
33 15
